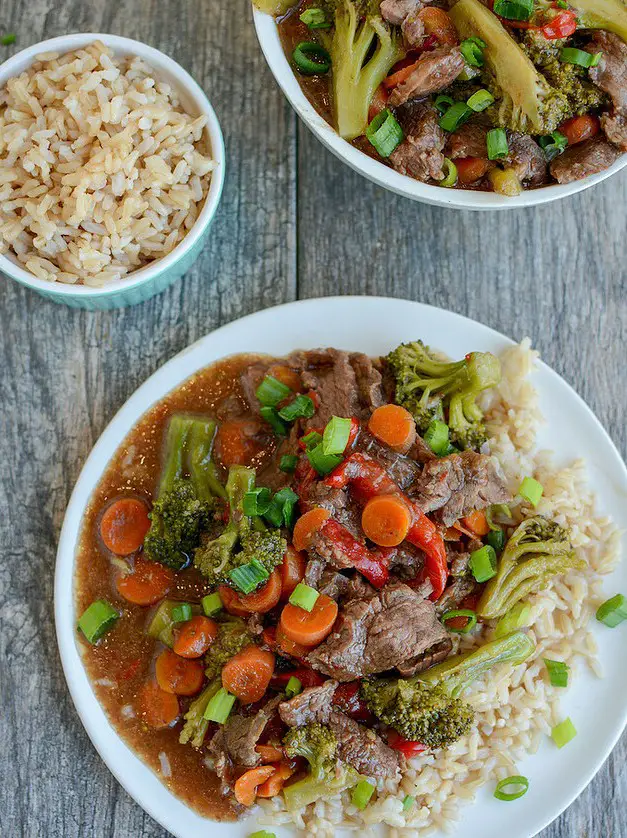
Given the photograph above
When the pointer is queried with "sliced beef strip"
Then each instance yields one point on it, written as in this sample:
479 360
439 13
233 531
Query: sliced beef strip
339 503
363 748
420 451
456 485
379 633
369 380
615 128
333 584
460 588
313 571
527 159
312 705
583 159
250 379
395 11
610 75
420 154
468 141
436 654
413 30
403 469
408 561
435 71
345 384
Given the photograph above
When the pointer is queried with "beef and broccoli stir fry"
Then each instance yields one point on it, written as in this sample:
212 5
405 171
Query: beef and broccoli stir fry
277 565
499 95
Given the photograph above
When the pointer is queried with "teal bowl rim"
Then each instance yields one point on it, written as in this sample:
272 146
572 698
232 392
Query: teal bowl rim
188 88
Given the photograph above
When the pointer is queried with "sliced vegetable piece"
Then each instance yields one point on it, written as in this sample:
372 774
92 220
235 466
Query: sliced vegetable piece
124 525
247 674
394 426
563 733
266 597
146 584
558 672
288 463
362 794
312 59
531 491
302 407
483 563
271 391
97 620
469 617
518 782
181 612
304 596
195 637
293 687
248 577
211 604
613 612
308 525
274 784
477 523
519 616
157 708
386 520
309 628
292 570
245 788
219 707
177 675
450 174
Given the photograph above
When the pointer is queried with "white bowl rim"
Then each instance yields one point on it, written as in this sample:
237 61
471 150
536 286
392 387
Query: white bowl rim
382 175
159 60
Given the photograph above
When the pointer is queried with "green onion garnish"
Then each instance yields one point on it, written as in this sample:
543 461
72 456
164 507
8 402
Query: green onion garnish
553 144
281 511
460 612
302 406
385 133
248 577
496 141
288 463
182 612
274 420
472 50
579 57
437 437
563 733
219 707
7 40
480 100
304 597
456 116
613 612
450 174
483 563
517 617
211 604
443 103
312 59
558 672
517 780
496 539
315 19
257 501
531 491
311 439
293 687
323 463
97 619
362 793
514 9
271 391
336 435
408 802
561 4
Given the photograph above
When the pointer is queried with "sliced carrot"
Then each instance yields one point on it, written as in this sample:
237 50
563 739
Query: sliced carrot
232 601
307 526
286 375
400 75
394 426
274 784
237 442
146 584
195 636
439 24
246 786
309 627
124 525
292 571
264 600
177 675
386 520
580 128
288 647
477 522
471 169
156 707
269 753
247 674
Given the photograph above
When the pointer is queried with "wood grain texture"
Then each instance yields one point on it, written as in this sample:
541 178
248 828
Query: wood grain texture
293 223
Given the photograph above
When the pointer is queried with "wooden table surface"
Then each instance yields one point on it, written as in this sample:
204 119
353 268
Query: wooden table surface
294 223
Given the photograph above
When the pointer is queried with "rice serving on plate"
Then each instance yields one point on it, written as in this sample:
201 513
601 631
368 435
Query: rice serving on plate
101 169
517 708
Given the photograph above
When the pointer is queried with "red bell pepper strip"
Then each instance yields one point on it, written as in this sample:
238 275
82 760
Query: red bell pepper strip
346 698
563 25
406 747
374 565
307 677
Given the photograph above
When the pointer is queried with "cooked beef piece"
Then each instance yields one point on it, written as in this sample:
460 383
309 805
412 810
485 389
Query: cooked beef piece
413 30
333 584
408 561
610 75
369 381
615 127
358 588
363 748
435 71
456 485
312 705
313 572
402 469
339 503
459 561
250 379
222 763
583 159
331 552
468 141
271 476
255 624
395 11
420 154
378 633
457 591
420 451
434 655
527 159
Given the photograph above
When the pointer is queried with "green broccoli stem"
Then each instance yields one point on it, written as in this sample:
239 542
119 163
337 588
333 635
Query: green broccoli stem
175 444
202 469
308 790
240 481
196 726
457 673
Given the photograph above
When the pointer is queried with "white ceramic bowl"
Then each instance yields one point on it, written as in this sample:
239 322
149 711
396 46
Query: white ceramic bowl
379 173
154 278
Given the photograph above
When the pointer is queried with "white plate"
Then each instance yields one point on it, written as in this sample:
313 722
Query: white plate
373 325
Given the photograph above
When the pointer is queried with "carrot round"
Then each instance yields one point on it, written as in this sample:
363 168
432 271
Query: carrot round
580 128
237 442
309 627
269 753
292 571
264 600
307 526
232 601
288 647
439 24
146 584
386 520
471 169
156 707
274 784
177 675
246 786
195 636
124 525
394 426
477 522
247 674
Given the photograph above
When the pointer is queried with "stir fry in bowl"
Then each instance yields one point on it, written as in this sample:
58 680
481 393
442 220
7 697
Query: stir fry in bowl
501 95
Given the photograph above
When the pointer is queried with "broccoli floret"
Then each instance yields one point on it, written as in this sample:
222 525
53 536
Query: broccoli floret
317 744
538 550
196 726
232 637
430 389
427 708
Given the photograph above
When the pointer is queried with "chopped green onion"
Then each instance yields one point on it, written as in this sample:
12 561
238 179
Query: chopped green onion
514 9
281 510
450 176
248 577
579 57
311 439
497 509
257 501
288 463
561 4
97 619
312 59
211 604
472 50
274 420
7 40
558 672
182 612
220 706
443 103
304 597
315 19
483 563
302 406
496 539
516 780
553 144
613 612
336 435
517 617
408 802
531 491
563 733
456 116
323 463
271 391
480 100
436 437
460 612
293 687
496 141
385 133
362 793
